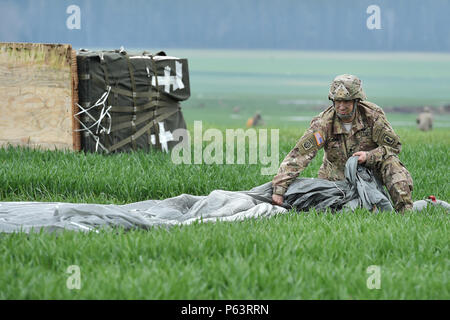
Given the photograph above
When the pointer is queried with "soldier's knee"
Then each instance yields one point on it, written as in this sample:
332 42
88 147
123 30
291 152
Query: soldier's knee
400 193
394 172
398 182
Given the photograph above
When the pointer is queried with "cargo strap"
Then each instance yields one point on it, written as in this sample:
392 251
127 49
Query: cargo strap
134 94
125 121
144 107
133 88
103 113
155 123
100 102
97 122
157 109
95 137
141 131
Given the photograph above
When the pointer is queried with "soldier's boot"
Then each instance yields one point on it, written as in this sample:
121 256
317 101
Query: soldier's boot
398 182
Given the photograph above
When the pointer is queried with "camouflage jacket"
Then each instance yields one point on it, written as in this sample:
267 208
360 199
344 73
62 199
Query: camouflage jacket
370 132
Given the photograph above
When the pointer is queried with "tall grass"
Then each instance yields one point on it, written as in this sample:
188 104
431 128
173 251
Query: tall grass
291 256
129 177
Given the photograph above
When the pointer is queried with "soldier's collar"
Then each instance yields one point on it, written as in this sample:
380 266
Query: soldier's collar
338 127
357 124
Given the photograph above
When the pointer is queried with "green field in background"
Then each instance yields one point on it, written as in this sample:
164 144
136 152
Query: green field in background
290 84
388 78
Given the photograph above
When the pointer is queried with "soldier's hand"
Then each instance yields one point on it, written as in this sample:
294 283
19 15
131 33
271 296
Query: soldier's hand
362 156
277 199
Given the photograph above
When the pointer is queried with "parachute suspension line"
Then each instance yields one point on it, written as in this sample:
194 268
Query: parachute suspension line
343 193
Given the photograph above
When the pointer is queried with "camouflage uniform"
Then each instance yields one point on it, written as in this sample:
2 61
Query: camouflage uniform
425 120
370 132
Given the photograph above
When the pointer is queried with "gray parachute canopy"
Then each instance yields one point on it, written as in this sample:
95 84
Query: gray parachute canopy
360 189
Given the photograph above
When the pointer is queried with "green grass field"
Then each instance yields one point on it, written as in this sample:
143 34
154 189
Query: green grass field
291 256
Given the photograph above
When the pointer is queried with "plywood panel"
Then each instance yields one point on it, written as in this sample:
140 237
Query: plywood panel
38 93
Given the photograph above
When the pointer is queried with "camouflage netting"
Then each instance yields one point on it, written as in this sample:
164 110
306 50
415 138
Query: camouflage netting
130 101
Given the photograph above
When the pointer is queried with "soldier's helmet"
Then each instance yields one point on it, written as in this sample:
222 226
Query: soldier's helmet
346 87
426 109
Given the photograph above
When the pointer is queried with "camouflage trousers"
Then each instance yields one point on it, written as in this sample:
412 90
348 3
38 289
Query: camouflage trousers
398 182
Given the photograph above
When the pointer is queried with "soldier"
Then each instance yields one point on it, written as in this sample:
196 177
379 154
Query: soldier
255 120
425 120
351 126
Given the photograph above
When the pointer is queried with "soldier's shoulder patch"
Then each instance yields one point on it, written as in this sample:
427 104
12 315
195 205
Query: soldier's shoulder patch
381 136
307 145
319 138
389 139
310 142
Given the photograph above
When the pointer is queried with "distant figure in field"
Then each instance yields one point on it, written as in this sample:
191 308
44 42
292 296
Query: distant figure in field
425 120
236 109
255 121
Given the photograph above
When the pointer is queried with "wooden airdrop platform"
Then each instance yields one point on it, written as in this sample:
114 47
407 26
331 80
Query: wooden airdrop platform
38 96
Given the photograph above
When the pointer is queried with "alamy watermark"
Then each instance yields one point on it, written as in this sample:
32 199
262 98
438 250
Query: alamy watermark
374 20
374 280
74 280
74 19
213 152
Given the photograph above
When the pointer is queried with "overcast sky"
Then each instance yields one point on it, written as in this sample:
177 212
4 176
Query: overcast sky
363 25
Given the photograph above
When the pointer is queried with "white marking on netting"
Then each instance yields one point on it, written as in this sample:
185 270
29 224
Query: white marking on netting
96 138
179 75
97 122
164 137
103 113
167 80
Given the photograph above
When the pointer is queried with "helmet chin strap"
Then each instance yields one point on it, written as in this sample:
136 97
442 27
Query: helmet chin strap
347 116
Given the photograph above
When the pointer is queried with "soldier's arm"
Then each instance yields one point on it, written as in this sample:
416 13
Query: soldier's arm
387 140
299 157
